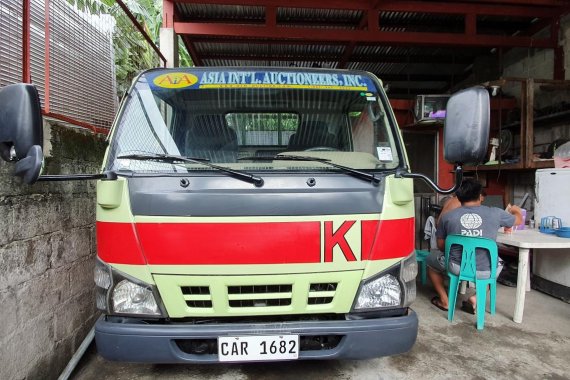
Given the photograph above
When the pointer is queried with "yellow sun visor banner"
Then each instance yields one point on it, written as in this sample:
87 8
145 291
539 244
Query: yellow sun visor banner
209 79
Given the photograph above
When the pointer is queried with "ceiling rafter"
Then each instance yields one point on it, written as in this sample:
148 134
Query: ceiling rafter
487 6
369 36
413 59
368 20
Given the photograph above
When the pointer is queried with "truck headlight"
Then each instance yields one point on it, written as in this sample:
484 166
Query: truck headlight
393 288
118 293
131 298
102 275
103 281
408 274
384 291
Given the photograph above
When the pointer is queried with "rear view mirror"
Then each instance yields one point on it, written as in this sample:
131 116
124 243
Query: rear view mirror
466 131
21 133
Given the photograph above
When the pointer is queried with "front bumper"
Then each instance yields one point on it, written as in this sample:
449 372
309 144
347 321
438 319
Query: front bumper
361 339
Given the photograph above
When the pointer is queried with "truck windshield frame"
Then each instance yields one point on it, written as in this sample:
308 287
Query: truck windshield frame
226 116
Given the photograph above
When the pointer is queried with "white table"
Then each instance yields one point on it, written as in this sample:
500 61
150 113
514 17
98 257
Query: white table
526 240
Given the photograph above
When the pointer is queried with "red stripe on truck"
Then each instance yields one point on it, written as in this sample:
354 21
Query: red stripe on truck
395 238
117 243
231 243
249 243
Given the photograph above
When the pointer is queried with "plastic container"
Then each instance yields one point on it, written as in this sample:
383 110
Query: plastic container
549 224
563 232
562 156
519 227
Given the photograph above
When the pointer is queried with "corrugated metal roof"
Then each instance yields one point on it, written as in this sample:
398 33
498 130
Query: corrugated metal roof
226 49
332 18
193 12
421 22
430 66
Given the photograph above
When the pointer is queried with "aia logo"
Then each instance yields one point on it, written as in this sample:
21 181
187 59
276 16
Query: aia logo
175 80
341 241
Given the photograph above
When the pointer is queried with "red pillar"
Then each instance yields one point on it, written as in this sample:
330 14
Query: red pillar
26 73
167 14
46 56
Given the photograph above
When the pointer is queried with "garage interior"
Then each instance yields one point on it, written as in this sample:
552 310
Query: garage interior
422 51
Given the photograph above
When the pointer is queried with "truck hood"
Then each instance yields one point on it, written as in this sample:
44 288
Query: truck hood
285 227
184 245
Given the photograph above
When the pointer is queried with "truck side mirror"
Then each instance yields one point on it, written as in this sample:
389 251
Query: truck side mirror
21 130
466 130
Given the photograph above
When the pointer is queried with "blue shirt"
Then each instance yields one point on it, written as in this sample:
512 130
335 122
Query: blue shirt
477 221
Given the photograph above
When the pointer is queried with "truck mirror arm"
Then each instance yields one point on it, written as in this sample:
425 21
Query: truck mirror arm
108 175
458 179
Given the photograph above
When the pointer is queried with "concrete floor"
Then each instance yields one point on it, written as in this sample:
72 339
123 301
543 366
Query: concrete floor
539 348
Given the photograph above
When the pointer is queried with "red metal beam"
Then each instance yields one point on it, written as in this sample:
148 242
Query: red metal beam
46 56
26 73
436 59
258 41
364 22
141 29
328 4
438 6
538 3
471 24
168 14
192 51
78 123
270 16
466 8
380 37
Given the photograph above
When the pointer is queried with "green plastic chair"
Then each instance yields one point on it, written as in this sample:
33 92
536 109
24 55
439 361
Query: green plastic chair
468 272
421 256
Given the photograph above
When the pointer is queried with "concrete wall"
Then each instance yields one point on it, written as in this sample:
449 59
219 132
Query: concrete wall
47 246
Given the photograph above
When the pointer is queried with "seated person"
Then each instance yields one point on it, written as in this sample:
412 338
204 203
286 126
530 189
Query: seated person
470 219
312 134
210 138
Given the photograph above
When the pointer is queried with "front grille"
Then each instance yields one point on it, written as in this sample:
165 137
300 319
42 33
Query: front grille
261 302
321 293
226 295
199 303
186 290
260 295
260 289
197 296
319 300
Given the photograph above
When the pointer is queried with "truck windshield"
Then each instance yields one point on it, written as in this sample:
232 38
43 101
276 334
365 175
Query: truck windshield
240 119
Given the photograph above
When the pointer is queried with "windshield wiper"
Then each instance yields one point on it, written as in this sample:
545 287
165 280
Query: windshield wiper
171 158
357 173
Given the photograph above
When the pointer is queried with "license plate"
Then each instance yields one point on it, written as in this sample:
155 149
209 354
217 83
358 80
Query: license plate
258 347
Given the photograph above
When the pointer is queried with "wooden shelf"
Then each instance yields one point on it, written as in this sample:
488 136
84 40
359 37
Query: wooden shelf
528 122
423 125
543 164
544 120
505 166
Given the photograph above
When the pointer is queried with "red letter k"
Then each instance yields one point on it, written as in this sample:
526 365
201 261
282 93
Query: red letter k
334 238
